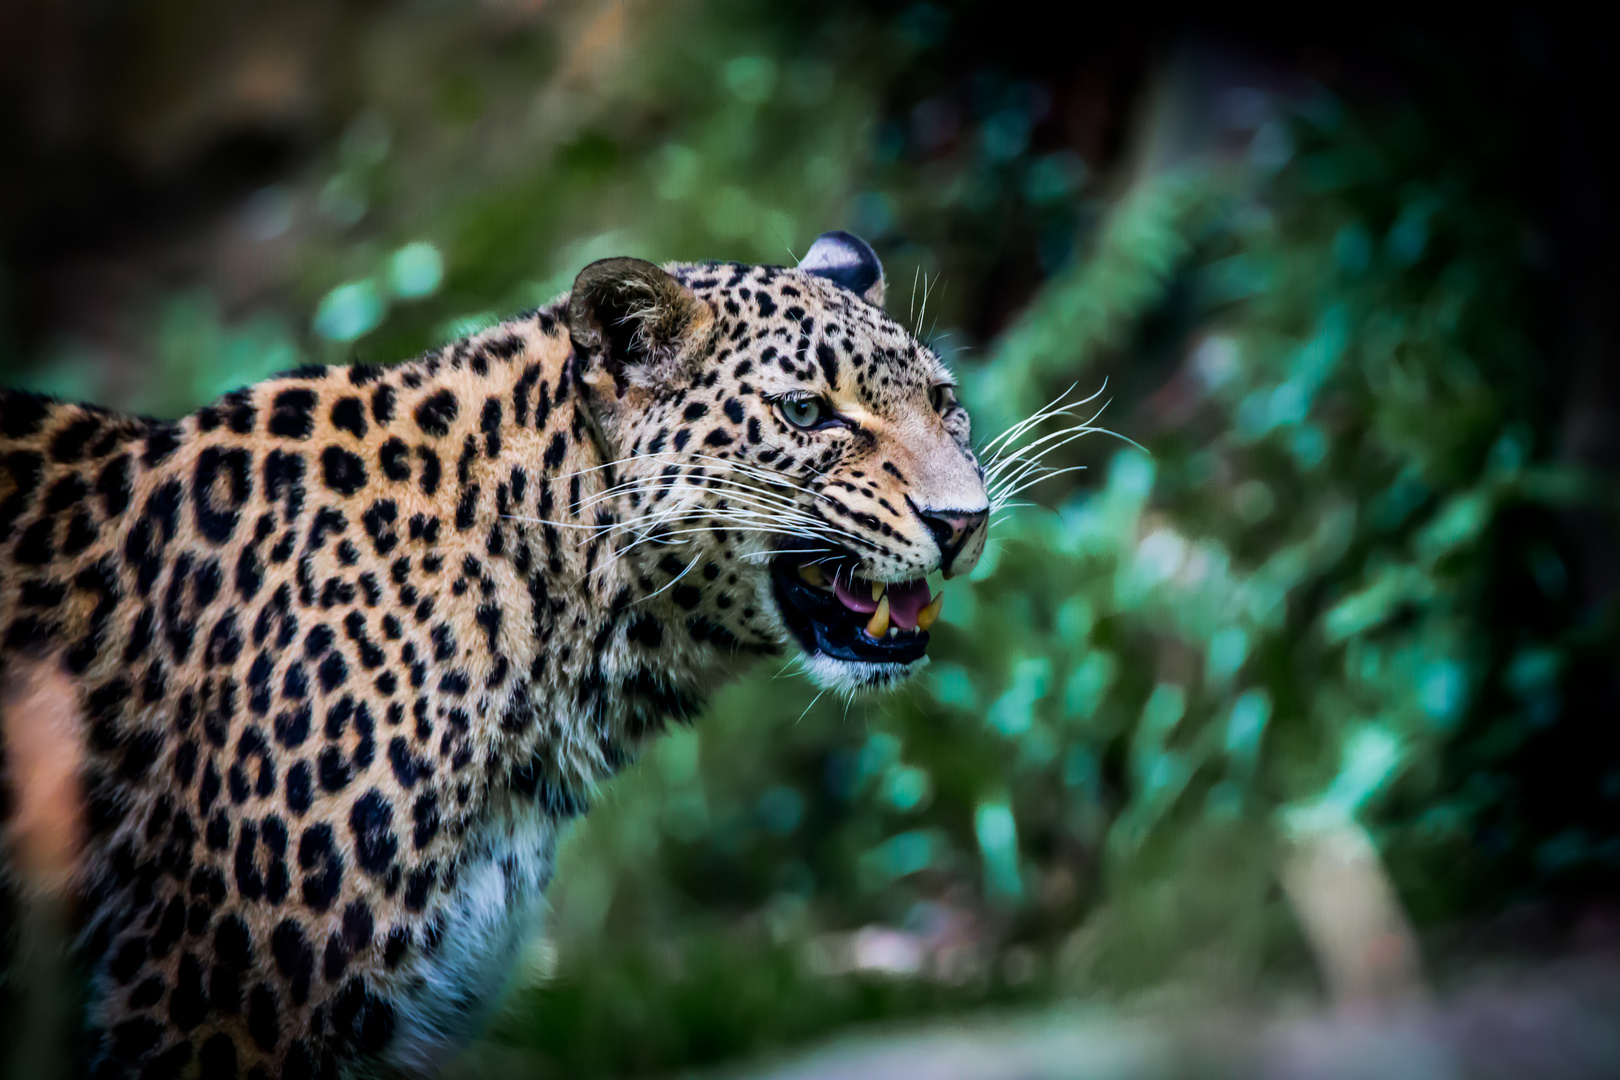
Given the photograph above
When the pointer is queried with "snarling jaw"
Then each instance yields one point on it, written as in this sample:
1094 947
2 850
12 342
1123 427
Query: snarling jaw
853 631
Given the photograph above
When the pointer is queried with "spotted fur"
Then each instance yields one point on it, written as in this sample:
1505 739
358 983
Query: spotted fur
350 644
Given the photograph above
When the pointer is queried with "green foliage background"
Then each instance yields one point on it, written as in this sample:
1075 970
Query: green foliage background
1333 587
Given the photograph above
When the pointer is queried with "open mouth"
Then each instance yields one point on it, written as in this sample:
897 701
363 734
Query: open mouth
835 611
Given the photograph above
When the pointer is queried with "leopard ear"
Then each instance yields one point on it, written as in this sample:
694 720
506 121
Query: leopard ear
633 321
848 260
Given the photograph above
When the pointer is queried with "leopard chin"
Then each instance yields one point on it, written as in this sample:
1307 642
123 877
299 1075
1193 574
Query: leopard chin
851 677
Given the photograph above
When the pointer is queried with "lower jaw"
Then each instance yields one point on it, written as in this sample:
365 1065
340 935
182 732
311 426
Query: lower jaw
856 646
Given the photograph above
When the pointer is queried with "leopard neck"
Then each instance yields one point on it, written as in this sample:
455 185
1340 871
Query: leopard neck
586 651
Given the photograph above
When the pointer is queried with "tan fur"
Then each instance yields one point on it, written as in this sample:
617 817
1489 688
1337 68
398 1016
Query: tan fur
495 645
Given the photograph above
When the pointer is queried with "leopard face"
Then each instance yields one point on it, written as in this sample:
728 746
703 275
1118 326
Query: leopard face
776 426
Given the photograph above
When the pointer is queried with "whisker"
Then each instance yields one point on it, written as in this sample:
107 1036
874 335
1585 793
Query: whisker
777 507
759 555
1017 452
1056 407
1055 442
695 559
1010 454
1049 409
1074 434
1000 499
810 706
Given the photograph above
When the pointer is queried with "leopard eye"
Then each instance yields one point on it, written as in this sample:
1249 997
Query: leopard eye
803 412
941 397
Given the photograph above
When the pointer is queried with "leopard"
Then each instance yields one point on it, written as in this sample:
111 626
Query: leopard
351 647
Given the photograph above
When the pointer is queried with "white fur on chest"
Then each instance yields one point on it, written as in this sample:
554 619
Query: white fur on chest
448 995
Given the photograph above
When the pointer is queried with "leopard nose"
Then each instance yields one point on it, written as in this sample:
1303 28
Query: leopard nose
959 536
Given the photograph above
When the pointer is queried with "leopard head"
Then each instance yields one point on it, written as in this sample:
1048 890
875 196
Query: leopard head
787 458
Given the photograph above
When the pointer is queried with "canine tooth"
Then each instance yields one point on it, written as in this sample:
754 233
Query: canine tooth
926 617
877 589
879 624
812 575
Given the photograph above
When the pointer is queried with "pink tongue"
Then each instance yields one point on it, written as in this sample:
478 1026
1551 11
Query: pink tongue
906 599
856 597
